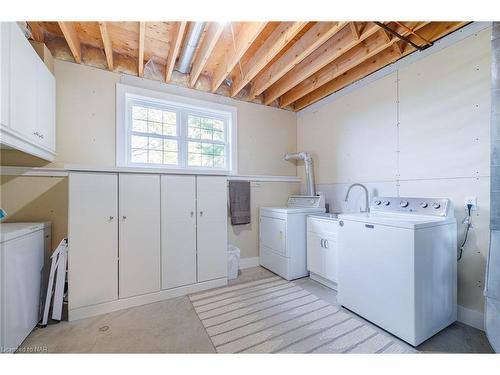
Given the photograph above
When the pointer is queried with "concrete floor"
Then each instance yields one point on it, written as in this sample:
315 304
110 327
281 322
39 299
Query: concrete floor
172 326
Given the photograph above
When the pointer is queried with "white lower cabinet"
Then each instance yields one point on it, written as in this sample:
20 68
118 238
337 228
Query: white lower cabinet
93 239
178 231
139 238
139 233
212 227
322 250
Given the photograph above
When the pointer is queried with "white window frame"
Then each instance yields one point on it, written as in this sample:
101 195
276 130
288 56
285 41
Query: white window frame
182 106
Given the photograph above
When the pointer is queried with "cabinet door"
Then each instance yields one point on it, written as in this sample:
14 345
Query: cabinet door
23 85
139 248
315 261
330 258
46 107
212 227
4 72
93 238
178 231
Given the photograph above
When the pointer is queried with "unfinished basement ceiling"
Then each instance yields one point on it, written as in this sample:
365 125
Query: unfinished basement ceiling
282 64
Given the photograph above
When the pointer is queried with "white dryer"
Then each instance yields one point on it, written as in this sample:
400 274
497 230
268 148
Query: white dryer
398 265
282 235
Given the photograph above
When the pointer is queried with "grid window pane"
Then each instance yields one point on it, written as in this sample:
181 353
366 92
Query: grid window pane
169 117
207 160
155 115
139 142
170 130
170 145
170 158
155 138
139 156
140 126
139 113
194 160
155 157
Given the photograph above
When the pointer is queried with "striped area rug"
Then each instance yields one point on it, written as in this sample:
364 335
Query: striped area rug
273 315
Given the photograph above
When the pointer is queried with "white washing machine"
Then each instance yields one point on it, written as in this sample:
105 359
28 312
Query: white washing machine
282 235
398 265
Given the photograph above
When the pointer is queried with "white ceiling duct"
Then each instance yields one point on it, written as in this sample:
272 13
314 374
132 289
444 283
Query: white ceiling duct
193 38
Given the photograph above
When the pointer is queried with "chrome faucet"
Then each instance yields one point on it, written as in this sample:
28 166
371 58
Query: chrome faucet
367 205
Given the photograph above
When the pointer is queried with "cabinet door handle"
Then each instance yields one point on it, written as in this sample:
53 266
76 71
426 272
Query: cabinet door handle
111 218
124 218
191 213
201 213
326 243
322 245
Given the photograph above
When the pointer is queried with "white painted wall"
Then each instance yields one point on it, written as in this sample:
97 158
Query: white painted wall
440 148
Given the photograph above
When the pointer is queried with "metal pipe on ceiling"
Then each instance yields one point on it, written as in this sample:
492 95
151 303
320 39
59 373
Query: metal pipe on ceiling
192 39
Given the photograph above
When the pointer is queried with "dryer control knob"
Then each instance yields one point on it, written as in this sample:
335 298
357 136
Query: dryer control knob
436 205
386 203
378 203
423 205
403 203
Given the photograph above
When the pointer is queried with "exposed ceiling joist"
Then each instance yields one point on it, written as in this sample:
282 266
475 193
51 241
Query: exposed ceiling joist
278 39
312 39
334 47
108 45
290 64
387 56
142 33
175 46
241 42
213 33
71 36
376 42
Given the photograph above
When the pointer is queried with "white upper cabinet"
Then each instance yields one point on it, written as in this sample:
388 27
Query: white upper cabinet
28 96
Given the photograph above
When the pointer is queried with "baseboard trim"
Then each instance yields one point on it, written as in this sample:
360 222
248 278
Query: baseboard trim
470 317
249 262
322 280
104 308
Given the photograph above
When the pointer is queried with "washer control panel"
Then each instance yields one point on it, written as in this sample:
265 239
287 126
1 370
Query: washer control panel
306 201
419 206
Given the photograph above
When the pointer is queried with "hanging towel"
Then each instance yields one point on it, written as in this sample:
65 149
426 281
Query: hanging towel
239 202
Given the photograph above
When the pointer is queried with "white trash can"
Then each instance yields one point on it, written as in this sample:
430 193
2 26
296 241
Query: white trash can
233 262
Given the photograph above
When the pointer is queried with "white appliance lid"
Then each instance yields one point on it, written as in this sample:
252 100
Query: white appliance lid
10 231
398 220
293 210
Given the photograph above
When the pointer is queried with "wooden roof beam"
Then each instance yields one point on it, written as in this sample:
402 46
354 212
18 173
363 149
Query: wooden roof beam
247 34
431 31
71 36
175 46
373 45
334 47
279 38
108 45
312 39
212 35
142 34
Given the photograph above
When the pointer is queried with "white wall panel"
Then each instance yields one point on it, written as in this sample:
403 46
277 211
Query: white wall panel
354 138
445 112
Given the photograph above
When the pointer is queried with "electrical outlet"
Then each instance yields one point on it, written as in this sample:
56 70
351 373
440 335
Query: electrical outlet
472 201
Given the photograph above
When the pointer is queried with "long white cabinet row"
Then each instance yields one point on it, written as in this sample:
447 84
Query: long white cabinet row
140 238
27 96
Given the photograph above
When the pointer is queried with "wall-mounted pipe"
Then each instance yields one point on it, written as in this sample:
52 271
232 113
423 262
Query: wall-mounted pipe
192 39
308 162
